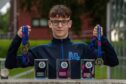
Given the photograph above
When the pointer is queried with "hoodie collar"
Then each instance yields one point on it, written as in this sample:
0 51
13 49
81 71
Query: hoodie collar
59 41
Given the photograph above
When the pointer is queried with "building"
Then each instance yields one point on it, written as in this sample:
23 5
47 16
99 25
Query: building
39 25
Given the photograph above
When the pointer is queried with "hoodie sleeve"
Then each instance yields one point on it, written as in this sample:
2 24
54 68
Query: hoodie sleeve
12 60
108 53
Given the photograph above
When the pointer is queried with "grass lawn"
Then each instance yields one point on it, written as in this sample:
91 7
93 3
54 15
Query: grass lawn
4 45
100 72
13 72
118 72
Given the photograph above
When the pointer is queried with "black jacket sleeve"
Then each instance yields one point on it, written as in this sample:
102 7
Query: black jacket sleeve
108 53
12 60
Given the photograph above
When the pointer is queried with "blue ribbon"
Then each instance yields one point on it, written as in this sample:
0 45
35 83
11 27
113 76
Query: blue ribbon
24 35
24 42
99 41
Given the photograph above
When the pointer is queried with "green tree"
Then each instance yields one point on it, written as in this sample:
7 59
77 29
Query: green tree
4 22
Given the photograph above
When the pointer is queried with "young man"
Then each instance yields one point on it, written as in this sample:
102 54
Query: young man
60 47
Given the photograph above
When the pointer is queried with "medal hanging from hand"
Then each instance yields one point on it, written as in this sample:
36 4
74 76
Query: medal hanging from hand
99 60
25 43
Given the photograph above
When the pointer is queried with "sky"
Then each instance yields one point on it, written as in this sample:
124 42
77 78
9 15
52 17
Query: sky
3 10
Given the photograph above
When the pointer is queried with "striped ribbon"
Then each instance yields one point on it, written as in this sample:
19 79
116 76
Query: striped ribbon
99 42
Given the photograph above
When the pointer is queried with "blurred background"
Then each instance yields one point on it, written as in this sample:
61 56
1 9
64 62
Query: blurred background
110 14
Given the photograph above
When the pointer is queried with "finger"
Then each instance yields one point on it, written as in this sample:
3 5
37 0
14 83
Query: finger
19 32
95 31
29 28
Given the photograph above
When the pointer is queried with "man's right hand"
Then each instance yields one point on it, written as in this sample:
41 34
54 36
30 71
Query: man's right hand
19 33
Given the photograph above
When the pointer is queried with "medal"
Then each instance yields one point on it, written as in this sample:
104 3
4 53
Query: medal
99 60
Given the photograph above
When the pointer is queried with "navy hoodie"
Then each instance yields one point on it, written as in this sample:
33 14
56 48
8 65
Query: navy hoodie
61 49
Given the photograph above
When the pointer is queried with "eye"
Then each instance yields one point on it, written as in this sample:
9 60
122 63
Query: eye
65 21
56 21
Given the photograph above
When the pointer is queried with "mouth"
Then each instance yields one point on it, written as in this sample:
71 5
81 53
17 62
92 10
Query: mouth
59 30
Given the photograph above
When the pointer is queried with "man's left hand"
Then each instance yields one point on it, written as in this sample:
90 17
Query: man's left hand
95 30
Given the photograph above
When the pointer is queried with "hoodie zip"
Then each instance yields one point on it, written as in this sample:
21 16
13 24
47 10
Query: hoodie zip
62 50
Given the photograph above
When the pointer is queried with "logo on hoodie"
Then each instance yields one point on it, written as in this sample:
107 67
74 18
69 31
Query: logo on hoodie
73 56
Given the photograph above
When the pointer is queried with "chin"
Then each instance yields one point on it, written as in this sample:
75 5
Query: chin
61 35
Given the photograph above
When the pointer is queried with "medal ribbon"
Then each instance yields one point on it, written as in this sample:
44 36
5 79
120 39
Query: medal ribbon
25 43
99 42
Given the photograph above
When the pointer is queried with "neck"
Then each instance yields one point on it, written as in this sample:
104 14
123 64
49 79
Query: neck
60 37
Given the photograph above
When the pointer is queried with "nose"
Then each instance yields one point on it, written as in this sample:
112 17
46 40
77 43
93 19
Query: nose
60 24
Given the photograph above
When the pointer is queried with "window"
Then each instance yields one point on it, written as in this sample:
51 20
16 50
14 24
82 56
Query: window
43 22
39 22
35 22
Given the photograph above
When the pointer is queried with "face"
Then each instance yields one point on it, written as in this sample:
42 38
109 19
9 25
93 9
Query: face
60 27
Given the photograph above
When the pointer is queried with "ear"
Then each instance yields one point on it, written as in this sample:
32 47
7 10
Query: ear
70 24
49 24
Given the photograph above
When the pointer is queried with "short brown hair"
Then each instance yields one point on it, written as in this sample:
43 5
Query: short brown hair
60 10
